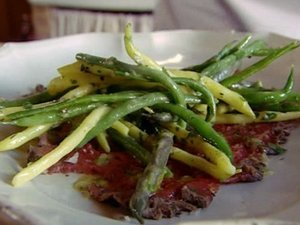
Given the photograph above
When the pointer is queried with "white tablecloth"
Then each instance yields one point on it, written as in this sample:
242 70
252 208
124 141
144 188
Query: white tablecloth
276 16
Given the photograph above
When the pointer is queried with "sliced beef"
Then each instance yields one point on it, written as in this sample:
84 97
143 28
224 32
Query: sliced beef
179 195
186 191
189 189
251 143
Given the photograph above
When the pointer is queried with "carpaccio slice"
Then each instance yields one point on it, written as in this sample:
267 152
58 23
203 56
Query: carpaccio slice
188 189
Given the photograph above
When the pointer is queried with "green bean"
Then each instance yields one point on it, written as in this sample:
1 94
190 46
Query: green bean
130 145
203 128
262 117
124 109
135 72
214 70
219 171
161 75
31 99
103 142
59 114
134 53
223 168
18 139
105 98
290 104
54 116
219 91
261 64
65 147
141 59
207 95
294 97
152 176
257 98
228 49
284 106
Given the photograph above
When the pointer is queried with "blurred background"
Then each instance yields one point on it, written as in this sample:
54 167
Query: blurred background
25 20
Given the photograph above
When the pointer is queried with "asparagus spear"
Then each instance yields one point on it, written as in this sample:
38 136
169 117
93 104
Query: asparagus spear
215 162
152 176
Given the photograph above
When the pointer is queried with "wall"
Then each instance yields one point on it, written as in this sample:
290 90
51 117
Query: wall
15 21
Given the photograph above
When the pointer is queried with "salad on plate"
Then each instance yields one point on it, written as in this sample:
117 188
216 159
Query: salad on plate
154 140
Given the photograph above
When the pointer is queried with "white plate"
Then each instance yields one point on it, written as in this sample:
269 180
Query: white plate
51 200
